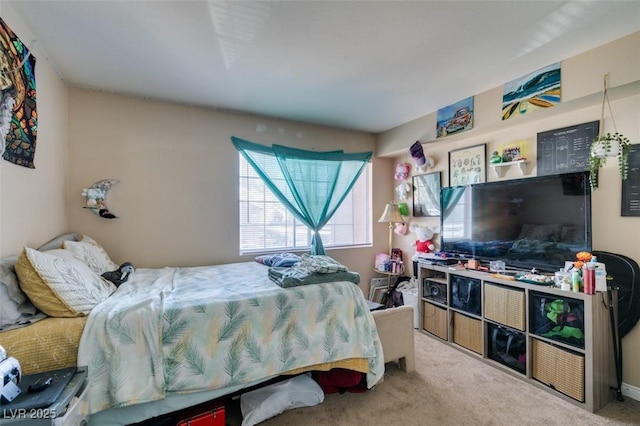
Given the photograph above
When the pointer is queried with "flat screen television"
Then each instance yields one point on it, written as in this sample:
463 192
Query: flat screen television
537 222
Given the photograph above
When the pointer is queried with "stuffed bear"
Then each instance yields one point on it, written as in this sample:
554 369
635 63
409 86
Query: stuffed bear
424 243
403 190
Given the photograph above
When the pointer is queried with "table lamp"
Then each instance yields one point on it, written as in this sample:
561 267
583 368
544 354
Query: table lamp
392 215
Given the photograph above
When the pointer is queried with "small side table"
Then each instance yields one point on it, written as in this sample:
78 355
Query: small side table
389 275
71 408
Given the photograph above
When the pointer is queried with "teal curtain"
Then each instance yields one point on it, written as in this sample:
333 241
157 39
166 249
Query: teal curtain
449 200
311 184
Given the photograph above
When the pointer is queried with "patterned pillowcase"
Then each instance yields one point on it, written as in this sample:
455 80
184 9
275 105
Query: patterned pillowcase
92 254
59 284
87 239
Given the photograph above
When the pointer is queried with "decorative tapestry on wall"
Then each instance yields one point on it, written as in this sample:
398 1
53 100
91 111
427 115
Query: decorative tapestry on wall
18 117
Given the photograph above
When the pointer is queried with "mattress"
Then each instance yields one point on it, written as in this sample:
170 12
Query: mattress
49 344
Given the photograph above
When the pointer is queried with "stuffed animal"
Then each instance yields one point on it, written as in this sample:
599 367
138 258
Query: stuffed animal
402 171
403 190
422 161
417 153
424 243
120 275
400 228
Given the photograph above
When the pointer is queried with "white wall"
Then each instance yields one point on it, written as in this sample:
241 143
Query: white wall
582 84
177 199
32 207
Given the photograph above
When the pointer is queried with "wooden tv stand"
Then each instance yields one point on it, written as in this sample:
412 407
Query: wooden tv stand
529 331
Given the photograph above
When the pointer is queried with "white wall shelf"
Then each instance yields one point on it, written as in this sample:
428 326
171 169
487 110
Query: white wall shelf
500 167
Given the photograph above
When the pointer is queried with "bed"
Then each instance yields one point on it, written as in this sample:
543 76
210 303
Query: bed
169 338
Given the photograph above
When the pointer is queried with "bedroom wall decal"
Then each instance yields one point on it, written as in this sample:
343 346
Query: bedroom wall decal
536 90
18 84
96 195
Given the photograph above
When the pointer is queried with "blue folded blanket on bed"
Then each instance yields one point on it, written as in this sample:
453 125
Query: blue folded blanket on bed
278 259
312 269
292 277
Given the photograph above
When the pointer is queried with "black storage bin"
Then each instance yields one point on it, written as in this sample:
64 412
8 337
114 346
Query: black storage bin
557 318
508 347
434 290
465 294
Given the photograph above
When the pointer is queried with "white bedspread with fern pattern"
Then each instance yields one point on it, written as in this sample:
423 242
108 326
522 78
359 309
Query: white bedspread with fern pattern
179 330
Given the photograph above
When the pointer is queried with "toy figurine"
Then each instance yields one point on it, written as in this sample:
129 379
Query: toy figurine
495 158
424 243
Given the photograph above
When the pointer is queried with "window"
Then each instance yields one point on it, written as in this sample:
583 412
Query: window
266 225
458 225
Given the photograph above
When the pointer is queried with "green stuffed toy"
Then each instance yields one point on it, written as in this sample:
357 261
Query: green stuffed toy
559 312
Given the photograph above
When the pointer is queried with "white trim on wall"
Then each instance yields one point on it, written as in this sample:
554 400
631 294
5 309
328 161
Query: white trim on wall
629 391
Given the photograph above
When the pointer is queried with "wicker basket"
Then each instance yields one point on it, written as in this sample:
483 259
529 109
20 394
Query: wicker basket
558 368
467 332
505 306
435 320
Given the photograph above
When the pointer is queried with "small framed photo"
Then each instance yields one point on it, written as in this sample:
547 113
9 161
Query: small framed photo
468 165
426 195
513 151
396 255
375 284
378 294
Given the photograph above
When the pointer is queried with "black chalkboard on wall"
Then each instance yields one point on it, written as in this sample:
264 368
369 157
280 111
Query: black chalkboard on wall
566 150
631 185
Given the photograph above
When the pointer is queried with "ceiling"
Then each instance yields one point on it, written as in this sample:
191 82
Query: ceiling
361 65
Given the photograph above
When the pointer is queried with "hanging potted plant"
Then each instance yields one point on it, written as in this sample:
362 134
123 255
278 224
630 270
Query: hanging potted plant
608 145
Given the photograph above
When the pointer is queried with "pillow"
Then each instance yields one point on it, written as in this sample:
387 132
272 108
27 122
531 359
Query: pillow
9 313
15 307
87 239
59 284
56 243
92 254
262 404
9 280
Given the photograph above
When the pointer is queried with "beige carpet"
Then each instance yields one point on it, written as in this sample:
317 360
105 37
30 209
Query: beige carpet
450 388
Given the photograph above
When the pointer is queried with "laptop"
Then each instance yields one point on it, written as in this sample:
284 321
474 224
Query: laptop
27 400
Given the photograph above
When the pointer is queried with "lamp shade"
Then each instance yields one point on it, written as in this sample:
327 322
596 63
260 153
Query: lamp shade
391 214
